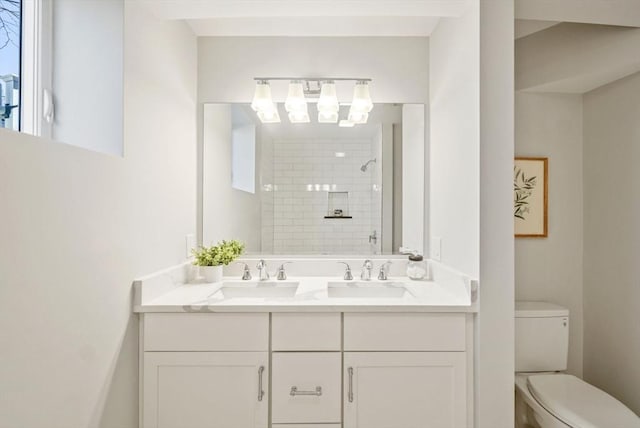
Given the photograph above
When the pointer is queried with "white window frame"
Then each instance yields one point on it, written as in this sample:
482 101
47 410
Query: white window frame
36 108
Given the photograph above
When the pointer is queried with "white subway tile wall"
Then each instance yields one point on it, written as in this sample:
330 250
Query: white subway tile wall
297 176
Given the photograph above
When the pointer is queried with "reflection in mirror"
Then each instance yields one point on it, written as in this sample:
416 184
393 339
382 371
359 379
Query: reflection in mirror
303 189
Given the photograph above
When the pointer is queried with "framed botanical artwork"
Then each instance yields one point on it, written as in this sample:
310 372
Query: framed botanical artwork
530 200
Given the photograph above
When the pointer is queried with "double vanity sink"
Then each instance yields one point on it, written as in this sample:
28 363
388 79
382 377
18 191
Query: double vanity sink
312 351
313 293
288 289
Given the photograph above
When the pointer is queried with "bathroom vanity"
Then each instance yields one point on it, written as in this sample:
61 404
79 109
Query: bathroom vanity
309 351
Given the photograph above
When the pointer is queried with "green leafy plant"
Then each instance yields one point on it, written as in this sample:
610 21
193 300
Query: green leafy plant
523 188
217 255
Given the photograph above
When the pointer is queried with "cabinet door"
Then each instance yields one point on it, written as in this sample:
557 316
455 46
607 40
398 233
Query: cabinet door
404 390
205 390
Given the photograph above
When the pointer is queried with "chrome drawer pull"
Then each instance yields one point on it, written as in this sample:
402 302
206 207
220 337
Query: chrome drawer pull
294 391
350 394
260 390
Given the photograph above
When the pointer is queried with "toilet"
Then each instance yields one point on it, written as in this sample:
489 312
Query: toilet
546 397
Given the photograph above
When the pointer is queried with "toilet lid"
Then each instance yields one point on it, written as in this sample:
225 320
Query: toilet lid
579 404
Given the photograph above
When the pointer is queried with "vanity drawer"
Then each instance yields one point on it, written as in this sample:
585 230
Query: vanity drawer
404 332
306 387
305 332
206 332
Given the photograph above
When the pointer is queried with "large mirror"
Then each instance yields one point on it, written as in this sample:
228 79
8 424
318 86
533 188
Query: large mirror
313 188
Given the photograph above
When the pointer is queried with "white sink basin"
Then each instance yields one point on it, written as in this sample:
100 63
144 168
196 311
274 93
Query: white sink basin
367 290
256 290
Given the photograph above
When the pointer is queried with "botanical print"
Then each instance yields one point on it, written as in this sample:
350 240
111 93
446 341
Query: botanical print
523 187
530 197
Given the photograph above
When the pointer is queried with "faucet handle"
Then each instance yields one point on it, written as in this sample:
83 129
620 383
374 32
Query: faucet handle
282 274
348 276
246 272
384 270
262 268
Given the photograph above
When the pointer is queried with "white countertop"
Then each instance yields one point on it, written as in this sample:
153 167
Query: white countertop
312 296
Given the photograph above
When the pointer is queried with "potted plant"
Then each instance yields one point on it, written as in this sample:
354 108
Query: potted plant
210 260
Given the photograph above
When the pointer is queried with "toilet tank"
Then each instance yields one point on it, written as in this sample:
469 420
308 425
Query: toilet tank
542 337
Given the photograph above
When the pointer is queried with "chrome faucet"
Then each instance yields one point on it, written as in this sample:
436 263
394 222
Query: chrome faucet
262 267
366 270
246 272
282 274
347 273
384 271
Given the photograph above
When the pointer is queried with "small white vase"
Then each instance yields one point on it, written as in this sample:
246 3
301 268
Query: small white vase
211 273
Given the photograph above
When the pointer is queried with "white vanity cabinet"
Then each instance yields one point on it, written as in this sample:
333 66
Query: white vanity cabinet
205 370
404 389
206 389
405 370
306 370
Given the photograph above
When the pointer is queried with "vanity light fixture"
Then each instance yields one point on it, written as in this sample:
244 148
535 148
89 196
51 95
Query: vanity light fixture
262 103
262 96
361 104
270 115
296 104
299 116
346 123
328 106
357 117
327 116
319 90
295 98
361 97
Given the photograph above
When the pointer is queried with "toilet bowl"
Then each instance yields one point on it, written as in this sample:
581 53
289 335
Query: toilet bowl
547 398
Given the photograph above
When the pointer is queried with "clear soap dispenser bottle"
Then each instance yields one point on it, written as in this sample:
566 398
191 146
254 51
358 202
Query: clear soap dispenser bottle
416 268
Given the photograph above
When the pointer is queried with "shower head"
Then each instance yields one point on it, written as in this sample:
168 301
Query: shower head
364 167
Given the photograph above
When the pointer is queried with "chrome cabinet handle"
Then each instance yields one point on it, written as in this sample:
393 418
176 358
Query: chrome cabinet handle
260 390
350 394
294 391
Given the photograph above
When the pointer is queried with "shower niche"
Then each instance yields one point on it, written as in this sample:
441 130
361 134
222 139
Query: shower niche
338 205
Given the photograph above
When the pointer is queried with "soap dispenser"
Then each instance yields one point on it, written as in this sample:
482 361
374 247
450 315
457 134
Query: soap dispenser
416 268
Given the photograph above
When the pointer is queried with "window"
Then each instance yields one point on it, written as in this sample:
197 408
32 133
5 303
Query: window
25 66
10 63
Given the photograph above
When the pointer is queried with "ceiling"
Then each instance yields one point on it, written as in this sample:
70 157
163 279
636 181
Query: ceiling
313 18
603 12
526 27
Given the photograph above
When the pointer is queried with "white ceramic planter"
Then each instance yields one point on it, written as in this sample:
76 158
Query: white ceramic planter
211 273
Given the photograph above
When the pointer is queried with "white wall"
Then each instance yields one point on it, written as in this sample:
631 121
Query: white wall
495 322
455 140
77 227
550 269
612 239
471 194
87 74
398 66
229 213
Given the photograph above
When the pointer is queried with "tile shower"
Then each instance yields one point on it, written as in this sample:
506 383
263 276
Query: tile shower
304 180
